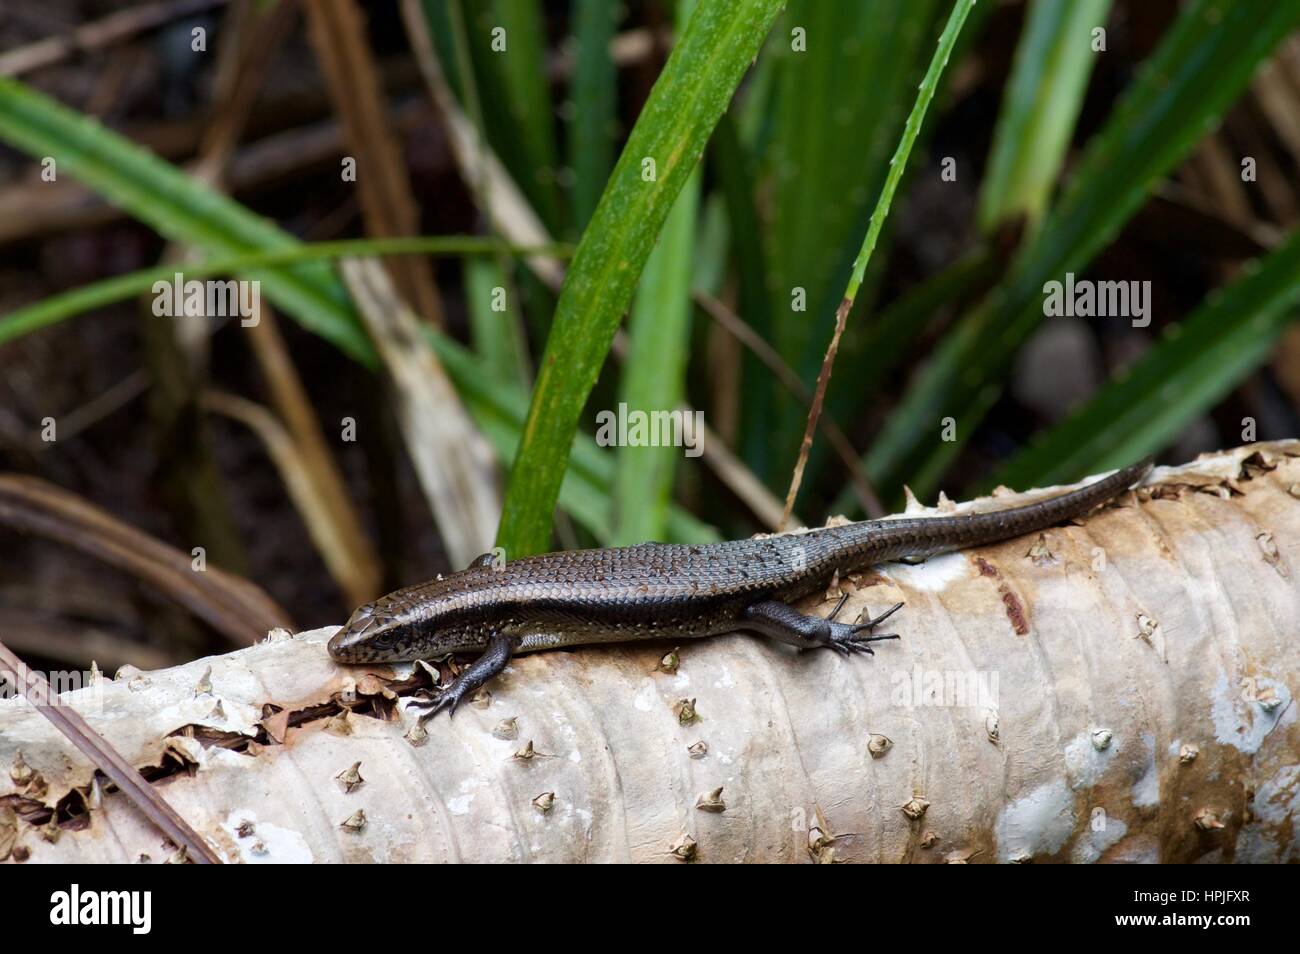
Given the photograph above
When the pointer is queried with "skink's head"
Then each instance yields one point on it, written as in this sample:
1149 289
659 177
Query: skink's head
371 635
448 615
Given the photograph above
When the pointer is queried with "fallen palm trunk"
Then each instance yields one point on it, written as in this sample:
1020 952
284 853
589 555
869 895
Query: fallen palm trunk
1120 690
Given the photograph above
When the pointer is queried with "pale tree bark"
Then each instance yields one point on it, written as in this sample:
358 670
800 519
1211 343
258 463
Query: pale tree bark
1117 690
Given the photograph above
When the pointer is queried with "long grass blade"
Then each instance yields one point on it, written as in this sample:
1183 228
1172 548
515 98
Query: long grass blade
897 163
1054 59
690 95
1201 66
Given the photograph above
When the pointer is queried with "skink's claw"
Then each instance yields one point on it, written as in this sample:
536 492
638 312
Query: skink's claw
448 700
848 640
493 660
876 621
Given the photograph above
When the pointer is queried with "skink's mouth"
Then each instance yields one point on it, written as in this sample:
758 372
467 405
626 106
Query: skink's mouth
362 638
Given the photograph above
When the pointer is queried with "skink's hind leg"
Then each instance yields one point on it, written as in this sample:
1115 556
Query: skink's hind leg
781 621
494 659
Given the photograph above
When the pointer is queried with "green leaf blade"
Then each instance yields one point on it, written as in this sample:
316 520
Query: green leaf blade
690 95
1054 59
1203 63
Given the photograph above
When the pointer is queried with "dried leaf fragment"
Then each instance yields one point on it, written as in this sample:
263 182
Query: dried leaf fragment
52 832
711 802
1206 820
1269 699
821 839
275 721
371 685
823 855
684 848
20 771
37 787
185 749
1040 554
351 778
684 709
915 807
429 670
1272 556
1146 627
340 724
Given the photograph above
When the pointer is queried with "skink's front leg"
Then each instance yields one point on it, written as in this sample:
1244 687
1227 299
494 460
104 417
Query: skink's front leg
783 622
494 659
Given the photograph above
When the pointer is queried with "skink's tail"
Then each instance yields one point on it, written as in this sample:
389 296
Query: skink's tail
918 537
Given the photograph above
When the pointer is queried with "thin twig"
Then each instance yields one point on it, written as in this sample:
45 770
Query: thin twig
106 758
738 328
229 604
338 36
333 538
896 166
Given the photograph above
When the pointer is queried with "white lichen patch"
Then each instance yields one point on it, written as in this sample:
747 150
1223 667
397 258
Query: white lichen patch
933 576
262 843
1096 838
1146 790
1275 813
647 697
1085 763
463 801
1239 718
1038 823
